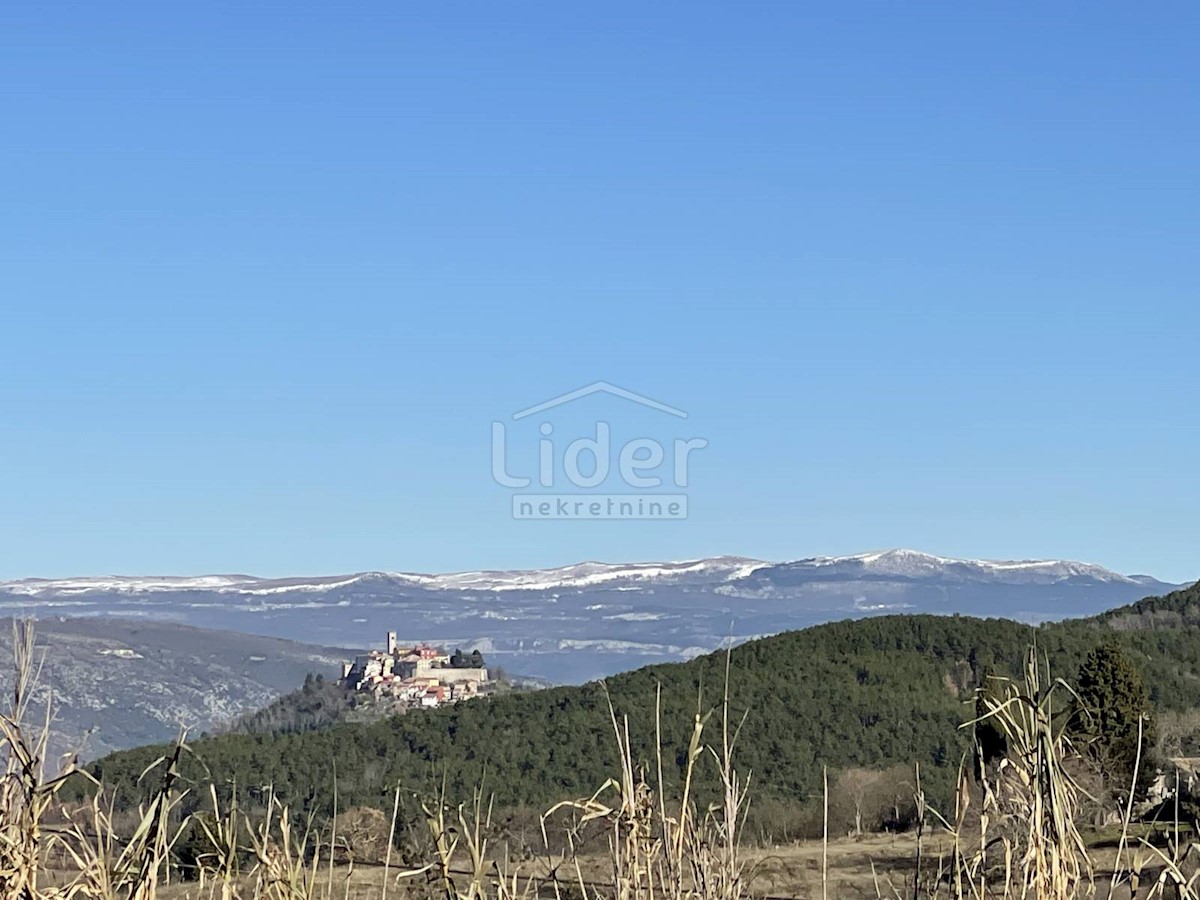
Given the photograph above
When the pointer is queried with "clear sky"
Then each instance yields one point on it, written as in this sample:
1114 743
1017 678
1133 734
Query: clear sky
923 275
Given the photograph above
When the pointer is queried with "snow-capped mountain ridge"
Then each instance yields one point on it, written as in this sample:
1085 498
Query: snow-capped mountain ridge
913 563
898 563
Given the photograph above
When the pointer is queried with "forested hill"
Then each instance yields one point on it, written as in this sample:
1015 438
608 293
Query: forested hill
871 692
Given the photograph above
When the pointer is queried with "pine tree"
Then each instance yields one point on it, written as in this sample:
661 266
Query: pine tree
1114 696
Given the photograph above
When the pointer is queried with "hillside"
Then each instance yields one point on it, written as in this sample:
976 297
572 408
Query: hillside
120 683
872 692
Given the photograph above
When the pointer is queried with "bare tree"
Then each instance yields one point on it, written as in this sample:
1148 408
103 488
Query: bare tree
864 799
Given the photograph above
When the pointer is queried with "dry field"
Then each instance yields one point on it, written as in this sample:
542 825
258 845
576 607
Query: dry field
792 872
867 868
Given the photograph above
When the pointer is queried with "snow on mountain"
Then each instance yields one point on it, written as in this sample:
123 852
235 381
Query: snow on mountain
580 575
914 564
123 584
591 574
716 570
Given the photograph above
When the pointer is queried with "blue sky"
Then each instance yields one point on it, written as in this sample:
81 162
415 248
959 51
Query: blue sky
922 275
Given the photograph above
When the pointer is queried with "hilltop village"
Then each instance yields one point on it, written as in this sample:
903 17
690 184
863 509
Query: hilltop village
417 675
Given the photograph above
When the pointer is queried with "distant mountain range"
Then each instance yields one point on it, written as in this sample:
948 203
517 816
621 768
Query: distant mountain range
583 621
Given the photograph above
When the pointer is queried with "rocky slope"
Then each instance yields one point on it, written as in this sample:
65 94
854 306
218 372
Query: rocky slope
114 683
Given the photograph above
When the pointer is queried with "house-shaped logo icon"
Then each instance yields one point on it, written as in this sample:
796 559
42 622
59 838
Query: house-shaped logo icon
598 387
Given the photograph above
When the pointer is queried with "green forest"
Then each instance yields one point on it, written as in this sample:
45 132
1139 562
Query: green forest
871 693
